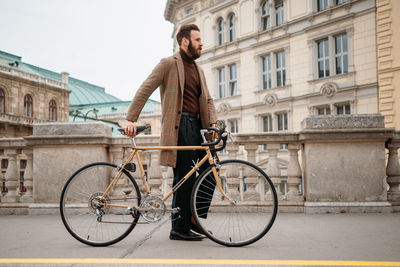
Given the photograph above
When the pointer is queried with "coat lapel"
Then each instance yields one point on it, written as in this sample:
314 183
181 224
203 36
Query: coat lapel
181 71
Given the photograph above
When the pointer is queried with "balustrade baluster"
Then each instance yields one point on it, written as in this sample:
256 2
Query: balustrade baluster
12 177
28 177
273 169
155 174
294 174
393 174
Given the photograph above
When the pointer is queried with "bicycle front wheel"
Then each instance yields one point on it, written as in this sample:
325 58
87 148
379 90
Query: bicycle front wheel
95 219
249 214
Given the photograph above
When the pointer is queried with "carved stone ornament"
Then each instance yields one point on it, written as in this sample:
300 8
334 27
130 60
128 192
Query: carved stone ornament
270 100
329 89
224 108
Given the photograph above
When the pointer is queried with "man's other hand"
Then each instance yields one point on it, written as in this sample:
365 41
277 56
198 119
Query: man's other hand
130 128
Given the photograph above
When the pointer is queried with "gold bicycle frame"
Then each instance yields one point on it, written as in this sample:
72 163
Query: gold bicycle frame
135 152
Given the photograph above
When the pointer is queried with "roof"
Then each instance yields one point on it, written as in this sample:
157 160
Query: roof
81 92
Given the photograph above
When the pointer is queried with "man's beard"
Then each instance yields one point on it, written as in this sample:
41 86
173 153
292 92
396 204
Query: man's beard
192 51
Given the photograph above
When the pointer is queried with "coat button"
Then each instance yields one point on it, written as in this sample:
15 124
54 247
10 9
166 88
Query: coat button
176 127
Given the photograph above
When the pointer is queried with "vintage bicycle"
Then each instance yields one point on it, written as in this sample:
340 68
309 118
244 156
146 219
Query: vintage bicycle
233 202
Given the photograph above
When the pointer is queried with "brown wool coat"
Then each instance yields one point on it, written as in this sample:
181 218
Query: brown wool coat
169 75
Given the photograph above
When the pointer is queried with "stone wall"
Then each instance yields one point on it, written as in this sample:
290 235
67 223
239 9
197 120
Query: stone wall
332 165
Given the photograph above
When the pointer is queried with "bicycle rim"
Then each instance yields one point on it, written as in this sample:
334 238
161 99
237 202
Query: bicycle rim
247 219
85 219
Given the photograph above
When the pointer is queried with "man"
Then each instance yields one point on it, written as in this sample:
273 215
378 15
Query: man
186 107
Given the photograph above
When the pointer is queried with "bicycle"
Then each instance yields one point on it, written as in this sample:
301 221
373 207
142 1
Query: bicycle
233 202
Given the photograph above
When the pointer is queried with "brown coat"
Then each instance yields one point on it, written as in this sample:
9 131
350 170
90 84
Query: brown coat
169 75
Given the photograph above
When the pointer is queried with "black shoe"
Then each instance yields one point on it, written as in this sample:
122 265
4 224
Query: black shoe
186 236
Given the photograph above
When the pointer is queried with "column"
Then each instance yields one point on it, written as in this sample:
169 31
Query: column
273 170
12 177
232 150
28 177
393 174
294 174
117 158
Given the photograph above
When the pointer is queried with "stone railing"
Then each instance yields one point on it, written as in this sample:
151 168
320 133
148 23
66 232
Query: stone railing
327 167
20 120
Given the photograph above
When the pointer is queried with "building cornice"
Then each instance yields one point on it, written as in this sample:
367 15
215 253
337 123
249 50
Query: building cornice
32 79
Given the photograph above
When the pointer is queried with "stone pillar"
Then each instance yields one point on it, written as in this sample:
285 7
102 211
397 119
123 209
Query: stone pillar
28 177
294 174
59 149
251 152
12 177
393 174
273 170
344 163
232 150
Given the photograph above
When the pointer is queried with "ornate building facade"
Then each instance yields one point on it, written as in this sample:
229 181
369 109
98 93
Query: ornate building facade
270 64
28 97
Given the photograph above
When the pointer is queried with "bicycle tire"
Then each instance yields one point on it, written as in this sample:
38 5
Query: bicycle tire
80 214
244 222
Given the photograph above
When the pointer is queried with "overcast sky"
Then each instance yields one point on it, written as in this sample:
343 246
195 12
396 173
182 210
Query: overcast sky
114 44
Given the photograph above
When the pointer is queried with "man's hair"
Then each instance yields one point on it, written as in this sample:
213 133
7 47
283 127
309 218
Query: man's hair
184 31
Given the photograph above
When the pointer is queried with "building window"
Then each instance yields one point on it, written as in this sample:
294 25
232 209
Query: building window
2 101
279 12
267 123
189 11
273 72
323 58
232 28
324 110
266 69
339 2
232 80
28 106
265 16
322 5
280 69
52 110
233 126
341 54
282 121
221 82
343 109
220 31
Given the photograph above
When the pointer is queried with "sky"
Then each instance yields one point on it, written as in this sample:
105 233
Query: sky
110 43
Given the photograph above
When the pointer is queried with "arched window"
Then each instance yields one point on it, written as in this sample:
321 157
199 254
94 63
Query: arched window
52 110
265 16
232 28
28 106
220 31
2 101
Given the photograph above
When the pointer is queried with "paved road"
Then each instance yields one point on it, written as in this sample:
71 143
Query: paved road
294 240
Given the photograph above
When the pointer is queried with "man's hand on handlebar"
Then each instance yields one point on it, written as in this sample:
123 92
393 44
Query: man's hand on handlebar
130 128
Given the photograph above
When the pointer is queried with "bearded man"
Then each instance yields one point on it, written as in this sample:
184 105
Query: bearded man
186 107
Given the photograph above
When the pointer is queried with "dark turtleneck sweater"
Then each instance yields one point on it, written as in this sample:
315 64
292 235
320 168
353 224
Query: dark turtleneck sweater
192 88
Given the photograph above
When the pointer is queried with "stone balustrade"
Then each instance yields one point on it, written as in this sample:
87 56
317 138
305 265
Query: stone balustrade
326 167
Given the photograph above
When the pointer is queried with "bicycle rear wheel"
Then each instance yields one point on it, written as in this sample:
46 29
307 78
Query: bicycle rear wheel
82 206
250 216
